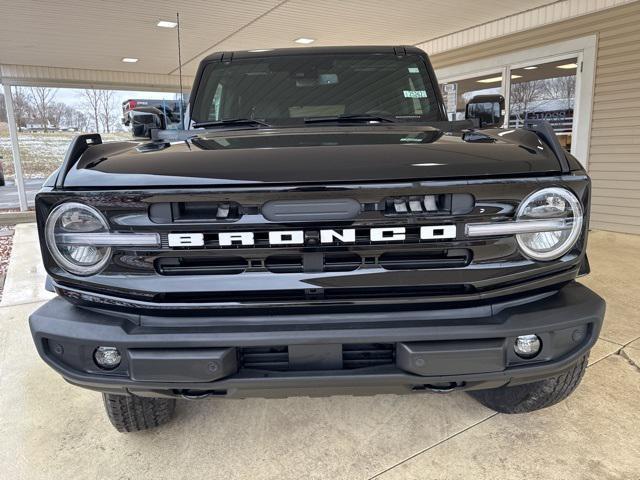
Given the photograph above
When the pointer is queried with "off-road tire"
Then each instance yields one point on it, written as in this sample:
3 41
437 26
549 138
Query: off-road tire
533 396
133 414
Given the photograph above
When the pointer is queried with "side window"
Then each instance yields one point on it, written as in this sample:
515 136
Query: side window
417 105
422 100
214 112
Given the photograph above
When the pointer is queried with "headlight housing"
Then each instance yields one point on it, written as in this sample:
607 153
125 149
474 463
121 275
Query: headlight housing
77 219
550 204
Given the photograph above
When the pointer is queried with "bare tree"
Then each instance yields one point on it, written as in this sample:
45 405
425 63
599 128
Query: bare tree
561 88
22 107
91 99
57 113
522 95
42 98
107 98
81 121
68 117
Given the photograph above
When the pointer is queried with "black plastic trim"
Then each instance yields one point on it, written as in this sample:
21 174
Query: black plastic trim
573 307
78 146
545 131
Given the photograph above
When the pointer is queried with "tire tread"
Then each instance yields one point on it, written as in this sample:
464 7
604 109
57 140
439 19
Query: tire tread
534 396
134 414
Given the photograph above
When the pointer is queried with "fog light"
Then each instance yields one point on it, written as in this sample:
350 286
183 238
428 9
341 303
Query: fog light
527 346
107 358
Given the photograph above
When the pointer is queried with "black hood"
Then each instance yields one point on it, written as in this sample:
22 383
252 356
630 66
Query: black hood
313 155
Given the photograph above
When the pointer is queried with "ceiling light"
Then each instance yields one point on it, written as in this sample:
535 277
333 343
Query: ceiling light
490 80
258 50
129 60
568 66
167 24
304 41
496 79
532 67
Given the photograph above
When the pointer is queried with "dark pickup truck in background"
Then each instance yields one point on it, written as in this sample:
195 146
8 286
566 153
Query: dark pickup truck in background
320 229
141 115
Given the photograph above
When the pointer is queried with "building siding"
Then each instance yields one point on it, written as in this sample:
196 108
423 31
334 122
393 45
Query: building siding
614 148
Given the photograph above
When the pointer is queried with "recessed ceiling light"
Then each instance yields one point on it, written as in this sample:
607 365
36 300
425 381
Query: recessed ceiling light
304 41
167 24
568 66
515 76
533 67
257 50
129 60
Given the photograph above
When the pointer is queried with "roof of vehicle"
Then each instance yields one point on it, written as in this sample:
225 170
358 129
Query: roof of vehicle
275 52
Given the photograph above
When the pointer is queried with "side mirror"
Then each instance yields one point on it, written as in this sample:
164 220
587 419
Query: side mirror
145 119
487 109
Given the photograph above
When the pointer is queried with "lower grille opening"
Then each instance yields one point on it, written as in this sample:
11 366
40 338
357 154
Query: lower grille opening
357 355
330 262
201 266
421 260
284 264
362 355
265 358
342 262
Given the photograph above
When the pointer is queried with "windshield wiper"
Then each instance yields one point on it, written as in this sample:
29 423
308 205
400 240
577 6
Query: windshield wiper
230 122
355 118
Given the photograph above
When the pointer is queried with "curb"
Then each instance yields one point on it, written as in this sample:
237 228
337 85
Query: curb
12 218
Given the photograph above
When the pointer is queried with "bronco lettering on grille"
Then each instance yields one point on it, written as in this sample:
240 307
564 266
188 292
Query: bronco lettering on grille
327 236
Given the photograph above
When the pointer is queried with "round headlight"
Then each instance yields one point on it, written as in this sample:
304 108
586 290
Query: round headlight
550 204
76 257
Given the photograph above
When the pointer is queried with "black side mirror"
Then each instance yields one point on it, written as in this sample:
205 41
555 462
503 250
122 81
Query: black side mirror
145 119
487 109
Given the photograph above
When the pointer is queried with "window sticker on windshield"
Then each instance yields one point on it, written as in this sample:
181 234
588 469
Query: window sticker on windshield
415 94
414 70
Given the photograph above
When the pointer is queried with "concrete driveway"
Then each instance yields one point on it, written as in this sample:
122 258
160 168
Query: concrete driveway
49 429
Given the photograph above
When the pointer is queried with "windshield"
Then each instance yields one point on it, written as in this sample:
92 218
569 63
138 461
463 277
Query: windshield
286 90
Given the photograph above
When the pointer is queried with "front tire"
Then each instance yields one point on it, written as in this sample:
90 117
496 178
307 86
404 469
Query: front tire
133 414
533 396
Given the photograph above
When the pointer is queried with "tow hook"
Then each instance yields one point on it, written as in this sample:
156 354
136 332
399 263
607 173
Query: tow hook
438 388
200 394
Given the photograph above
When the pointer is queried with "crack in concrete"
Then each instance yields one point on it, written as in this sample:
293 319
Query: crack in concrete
440 442
624 355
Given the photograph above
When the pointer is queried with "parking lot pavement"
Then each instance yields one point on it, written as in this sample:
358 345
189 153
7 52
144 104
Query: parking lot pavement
50 429
9 193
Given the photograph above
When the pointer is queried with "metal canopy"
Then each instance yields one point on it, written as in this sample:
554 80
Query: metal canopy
79 43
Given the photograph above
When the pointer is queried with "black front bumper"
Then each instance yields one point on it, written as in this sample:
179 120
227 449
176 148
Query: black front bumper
416 350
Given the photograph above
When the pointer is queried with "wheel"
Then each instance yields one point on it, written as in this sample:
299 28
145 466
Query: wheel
133 414
533 396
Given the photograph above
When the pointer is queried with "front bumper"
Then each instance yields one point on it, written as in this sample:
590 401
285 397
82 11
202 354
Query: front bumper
416 350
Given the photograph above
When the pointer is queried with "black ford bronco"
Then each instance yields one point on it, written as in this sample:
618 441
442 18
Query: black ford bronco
320 228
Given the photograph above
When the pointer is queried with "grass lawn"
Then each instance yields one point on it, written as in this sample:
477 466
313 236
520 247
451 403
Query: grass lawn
41 153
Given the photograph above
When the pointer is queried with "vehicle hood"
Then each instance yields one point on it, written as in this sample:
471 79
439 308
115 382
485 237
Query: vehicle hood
313 155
